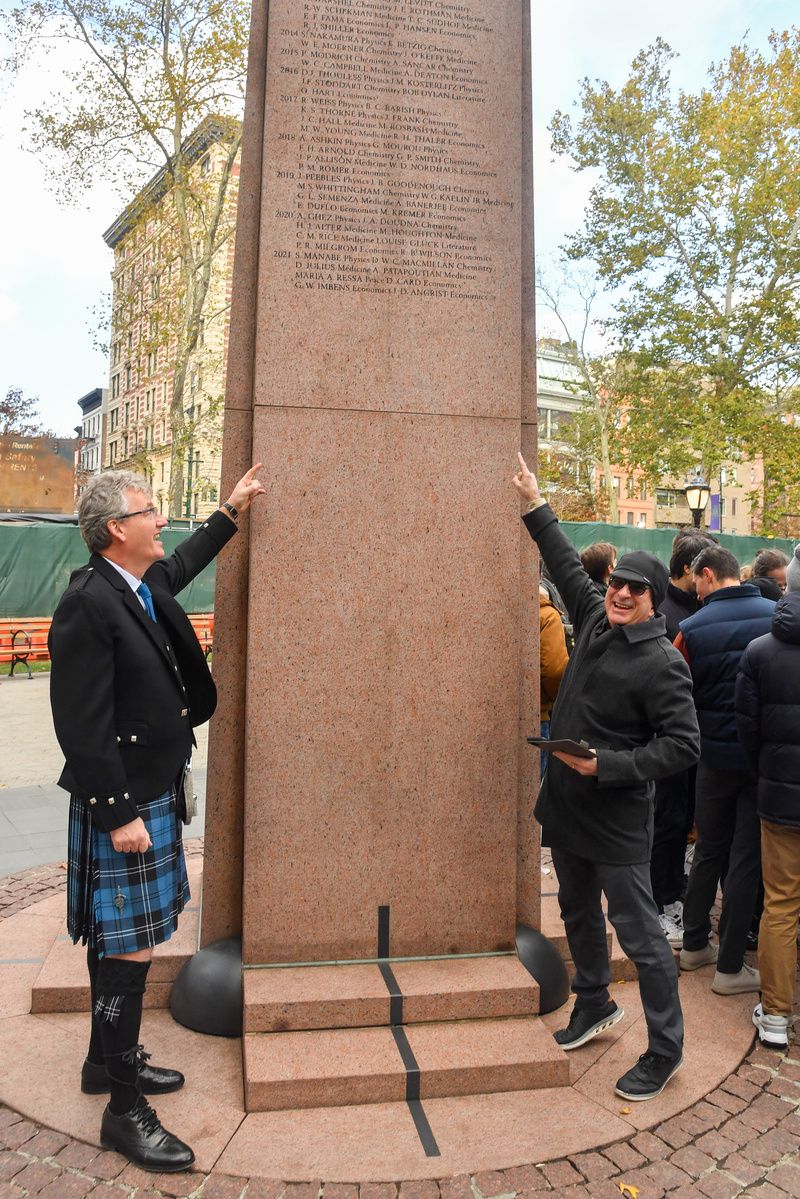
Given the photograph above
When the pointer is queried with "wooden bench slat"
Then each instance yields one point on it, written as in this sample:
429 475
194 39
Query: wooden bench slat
24 639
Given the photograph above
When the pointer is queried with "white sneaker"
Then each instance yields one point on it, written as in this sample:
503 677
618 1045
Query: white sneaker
772 1030
672 931
747 979
675 912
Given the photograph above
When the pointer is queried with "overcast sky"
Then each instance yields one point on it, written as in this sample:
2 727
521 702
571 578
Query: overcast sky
54 265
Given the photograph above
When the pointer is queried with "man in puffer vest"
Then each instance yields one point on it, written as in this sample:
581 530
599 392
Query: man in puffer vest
713 641
768 724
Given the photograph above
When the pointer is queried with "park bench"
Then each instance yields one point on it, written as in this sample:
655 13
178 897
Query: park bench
203 625
24 640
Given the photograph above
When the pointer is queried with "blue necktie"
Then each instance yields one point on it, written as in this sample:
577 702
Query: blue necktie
147 596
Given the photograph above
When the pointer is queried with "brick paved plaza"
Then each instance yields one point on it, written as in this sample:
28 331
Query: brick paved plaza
742 1138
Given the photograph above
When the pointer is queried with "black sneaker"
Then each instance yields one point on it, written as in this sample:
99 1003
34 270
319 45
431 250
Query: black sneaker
587 1022
140 1136
649 1076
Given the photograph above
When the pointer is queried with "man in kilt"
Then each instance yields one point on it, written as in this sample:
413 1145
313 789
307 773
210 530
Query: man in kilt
128 684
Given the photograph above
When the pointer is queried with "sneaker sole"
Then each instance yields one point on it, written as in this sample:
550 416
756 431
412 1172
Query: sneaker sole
650 1094
767 1040
593 1032
769 1043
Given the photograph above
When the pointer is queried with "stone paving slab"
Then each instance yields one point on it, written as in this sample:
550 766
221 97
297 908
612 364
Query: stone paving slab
741 1139
33 808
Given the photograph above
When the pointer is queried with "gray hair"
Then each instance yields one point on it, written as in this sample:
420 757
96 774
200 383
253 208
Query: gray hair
103 500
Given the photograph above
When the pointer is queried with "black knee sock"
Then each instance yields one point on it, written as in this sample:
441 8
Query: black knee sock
120 987
95 1051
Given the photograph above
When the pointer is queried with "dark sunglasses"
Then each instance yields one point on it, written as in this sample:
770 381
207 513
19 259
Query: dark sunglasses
615 583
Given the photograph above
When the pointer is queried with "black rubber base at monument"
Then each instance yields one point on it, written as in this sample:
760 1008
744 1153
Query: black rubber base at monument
207 994
543 961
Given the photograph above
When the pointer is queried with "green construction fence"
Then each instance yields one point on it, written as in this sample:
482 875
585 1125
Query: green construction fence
36 560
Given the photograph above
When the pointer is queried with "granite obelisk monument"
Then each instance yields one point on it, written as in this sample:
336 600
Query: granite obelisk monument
370 788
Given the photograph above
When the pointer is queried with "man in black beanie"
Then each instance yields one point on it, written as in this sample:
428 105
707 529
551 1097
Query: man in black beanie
627 695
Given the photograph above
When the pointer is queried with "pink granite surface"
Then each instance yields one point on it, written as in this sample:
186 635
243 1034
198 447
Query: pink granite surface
465 988
222 916
296 1070
344 1066
385 716
382 698
314 997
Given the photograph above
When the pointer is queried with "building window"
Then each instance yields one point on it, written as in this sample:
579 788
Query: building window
643 489
630 487
128 376
615 482
642 521
722 506
733 507
205 165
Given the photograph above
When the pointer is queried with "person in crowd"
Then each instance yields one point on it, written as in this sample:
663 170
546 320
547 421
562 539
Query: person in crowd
598 560
674 800
713 641
768 725
553 658
626 694
771 564
767 586
681 599
128 684
746 574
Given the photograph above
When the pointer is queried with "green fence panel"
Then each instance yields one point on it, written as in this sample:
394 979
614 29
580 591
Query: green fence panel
37 560
659 541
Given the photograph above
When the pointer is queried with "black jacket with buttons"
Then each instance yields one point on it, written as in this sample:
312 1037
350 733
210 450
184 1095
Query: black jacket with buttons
627 693
126 692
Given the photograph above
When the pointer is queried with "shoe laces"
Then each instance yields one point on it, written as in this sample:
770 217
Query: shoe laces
146 1116
136 1056
651 1058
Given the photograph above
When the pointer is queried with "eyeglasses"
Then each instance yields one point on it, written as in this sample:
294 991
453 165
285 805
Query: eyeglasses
151 513
615 583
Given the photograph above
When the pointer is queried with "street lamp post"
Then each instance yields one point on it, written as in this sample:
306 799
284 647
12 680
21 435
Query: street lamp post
697 493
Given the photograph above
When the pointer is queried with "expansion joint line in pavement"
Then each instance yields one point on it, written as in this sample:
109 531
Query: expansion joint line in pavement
421 1123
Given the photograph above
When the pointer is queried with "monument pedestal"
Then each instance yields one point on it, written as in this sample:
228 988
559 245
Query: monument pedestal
332 1035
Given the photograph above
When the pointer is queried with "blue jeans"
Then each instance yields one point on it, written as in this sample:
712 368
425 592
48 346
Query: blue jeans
544 731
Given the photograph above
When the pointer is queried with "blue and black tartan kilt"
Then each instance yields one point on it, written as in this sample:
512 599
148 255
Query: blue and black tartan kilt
122 902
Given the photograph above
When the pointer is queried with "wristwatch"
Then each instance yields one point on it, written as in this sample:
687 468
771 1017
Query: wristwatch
230 508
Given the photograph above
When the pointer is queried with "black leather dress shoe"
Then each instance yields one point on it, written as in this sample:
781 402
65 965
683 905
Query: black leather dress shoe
140 1136
151 1080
